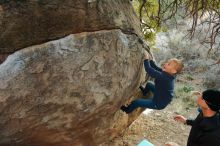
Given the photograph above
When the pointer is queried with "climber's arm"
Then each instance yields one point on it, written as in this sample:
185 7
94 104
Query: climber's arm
150 70
152 63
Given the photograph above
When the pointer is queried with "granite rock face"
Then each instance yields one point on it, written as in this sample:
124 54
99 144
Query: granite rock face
30 22
69 90
68 72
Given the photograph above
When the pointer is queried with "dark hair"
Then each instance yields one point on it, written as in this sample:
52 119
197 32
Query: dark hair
212 99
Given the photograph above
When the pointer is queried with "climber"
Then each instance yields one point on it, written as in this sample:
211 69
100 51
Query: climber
162 89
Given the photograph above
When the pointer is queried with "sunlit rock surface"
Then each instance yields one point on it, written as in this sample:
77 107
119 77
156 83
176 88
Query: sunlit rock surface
72 65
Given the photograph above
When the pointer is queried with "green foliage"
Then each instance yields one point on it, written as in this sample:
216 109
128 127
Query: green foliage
153 14
183 90
150 36
202 5
149 23
189 78
182 93
187 89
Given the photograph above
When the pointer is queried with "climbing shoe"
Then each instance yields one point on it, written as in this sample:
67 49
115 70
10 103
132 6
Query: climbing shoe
143 90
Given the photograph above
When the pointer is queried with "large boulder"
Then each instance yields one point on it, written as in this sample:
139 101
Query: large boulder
68 91
29 22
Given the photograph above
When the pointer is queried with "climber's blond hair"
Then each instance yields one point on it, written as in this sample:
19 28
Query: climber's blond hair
179 64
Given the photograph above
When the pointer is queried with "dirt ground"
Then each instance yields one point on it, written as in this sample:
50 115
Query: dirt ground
158 127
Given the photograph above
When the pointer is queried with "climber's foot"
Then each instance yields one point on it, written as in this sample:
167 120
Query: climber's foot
143 90
124 109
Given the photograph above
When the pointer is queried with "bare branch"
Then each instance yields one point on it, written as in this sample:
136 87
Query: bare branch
196 9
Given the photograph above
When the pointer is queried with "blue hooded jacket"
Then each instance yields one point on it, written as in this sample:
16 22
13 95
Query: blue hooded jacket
164 84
